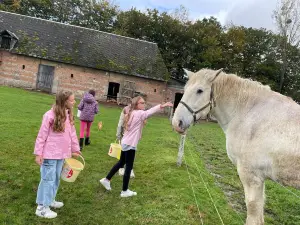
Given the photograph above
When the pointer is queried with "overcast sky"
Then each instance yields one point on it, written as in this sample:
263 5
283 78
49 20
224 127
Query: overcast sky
249 13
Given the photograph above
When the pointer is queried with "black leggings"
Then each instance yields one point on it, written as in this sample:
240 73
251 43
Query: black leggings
127 157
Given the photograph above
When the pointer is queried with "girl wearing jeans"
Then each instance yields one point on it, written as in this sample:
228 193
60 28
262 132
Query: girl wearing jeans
56 141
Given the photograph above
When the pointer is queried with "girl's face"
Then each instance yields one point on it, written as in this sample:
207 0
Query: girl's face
71 101
141 104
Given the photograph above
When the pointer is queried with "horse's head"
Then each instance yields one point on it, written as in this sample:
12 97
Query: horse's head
197 99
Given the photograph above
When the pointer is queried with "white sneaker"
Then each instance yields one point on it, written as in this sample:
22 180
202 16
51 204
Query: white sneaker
132 174
56 204
45 212
128 193
121 171
105 183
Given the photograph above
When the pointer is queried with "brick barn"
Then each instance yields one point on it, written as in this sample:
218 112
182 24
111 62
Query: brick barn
48 56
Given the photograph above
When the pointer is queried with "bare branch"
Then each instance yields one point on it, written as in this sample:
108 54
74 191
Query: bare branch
287 18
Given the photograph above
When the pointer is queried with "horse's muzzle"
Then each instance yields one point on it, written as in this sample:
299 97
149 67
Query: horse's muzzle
179 129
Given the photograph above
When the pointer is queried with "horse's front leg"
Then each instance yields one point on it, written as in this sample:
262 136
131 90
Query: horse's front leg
254 195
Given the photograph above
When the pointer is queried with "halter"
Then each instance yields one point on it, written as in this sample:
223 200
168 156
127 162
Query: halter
211 103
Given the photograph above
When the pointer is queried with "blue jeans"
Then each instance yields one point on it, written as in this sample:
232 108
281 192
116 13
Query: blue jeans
50 178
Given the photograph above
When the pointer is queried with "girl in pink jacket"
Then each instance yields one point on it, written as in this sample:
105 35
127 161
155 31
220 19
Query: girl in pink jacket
56 141
133 125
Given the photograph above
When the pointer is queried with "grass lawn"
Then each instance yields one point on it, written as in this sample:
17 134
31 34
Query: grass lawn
165 194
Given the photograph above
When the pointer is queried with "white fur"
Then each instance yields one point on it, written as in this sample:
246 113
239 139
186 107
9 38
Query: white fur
262 131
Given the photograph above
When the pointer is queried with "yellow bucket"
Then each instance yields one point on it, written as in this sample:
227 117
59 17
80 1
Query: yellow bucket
71 169
115 150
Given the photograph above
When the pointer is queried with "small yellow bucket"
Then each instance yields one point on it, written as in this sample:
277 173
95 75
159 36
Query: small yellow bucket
71 169
115 150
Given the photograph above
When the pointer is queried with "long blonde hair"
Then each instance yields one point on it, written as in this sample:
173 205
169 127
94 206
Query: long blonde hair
60 108
133 106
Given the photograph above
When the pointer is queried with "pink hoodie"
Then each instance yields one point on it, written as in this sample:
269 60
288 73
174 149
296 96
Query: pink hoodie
53 145
135 125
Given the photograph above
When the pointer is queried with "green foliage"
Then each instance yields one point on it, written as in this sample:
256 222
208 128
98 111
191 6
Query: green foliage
27 43
10 5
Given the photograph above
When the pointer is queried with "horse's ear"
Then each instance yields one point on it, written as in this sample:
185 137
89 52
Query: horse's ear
216 74
188 73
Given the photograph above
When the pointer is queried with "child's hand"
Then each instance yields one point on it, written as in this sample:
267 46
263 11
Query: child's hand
76 154
145 122
39 160
167 104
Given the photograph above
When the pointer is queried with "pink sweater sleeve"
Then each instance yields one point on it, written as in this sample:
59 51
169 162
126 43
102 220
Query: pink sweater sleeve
43 134
74 142
146 114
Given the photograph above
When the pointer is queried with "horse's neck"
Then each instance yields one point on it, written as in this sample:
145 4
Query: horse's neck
224 113
235 97
229 108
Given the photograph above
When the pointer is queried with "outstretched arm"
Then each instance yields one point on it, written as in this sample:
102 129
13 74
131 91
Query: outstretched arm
146 114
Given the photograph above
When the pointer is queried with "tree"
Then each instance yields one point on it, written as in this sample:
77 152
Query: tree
161 28
291 85
10 5
287 17
233 43
94 14
252 53
205 44
37 8
181 14
132 23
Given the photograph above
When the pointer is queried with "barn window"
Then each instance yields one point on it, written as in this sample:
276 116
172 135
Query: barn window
5 42
72 75
8 40
23 67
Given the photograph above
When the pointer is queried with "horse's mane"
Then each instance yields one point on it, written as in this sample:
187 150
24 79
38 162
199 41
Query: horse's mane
243 88
231 84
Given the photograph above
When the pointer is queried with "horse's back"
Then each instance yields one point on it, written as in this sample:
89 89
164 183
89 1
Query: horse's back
273 116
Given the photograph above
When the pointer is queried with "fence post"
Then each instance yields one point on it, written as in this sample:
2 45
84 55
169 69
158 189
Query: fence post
181 150
170 114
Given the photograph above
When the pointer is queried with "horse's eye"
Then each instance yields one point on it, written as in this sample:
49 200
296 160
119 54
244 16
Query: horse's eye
199 91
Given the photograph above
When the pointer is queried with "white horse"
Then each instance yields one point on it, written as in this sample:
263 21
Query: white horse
262 130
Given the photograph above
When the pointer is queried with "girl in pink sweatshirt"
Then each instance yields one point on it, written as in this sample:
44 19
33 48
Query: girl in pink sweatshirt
56 141
133 125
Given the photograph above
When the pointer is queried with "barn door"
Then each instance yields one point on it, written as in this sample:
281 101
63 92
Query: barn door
45 78
113 90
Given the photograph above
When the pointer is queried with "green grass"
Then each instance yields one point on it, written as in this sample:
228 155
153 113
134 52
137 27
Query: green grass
164 190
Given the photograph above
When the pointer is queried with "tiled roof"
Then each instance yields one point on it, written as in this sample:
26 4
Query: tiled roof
84 47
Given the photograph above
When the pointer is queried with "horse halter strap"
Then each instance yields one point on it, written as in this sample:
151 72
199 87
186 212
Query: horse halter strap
211 102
